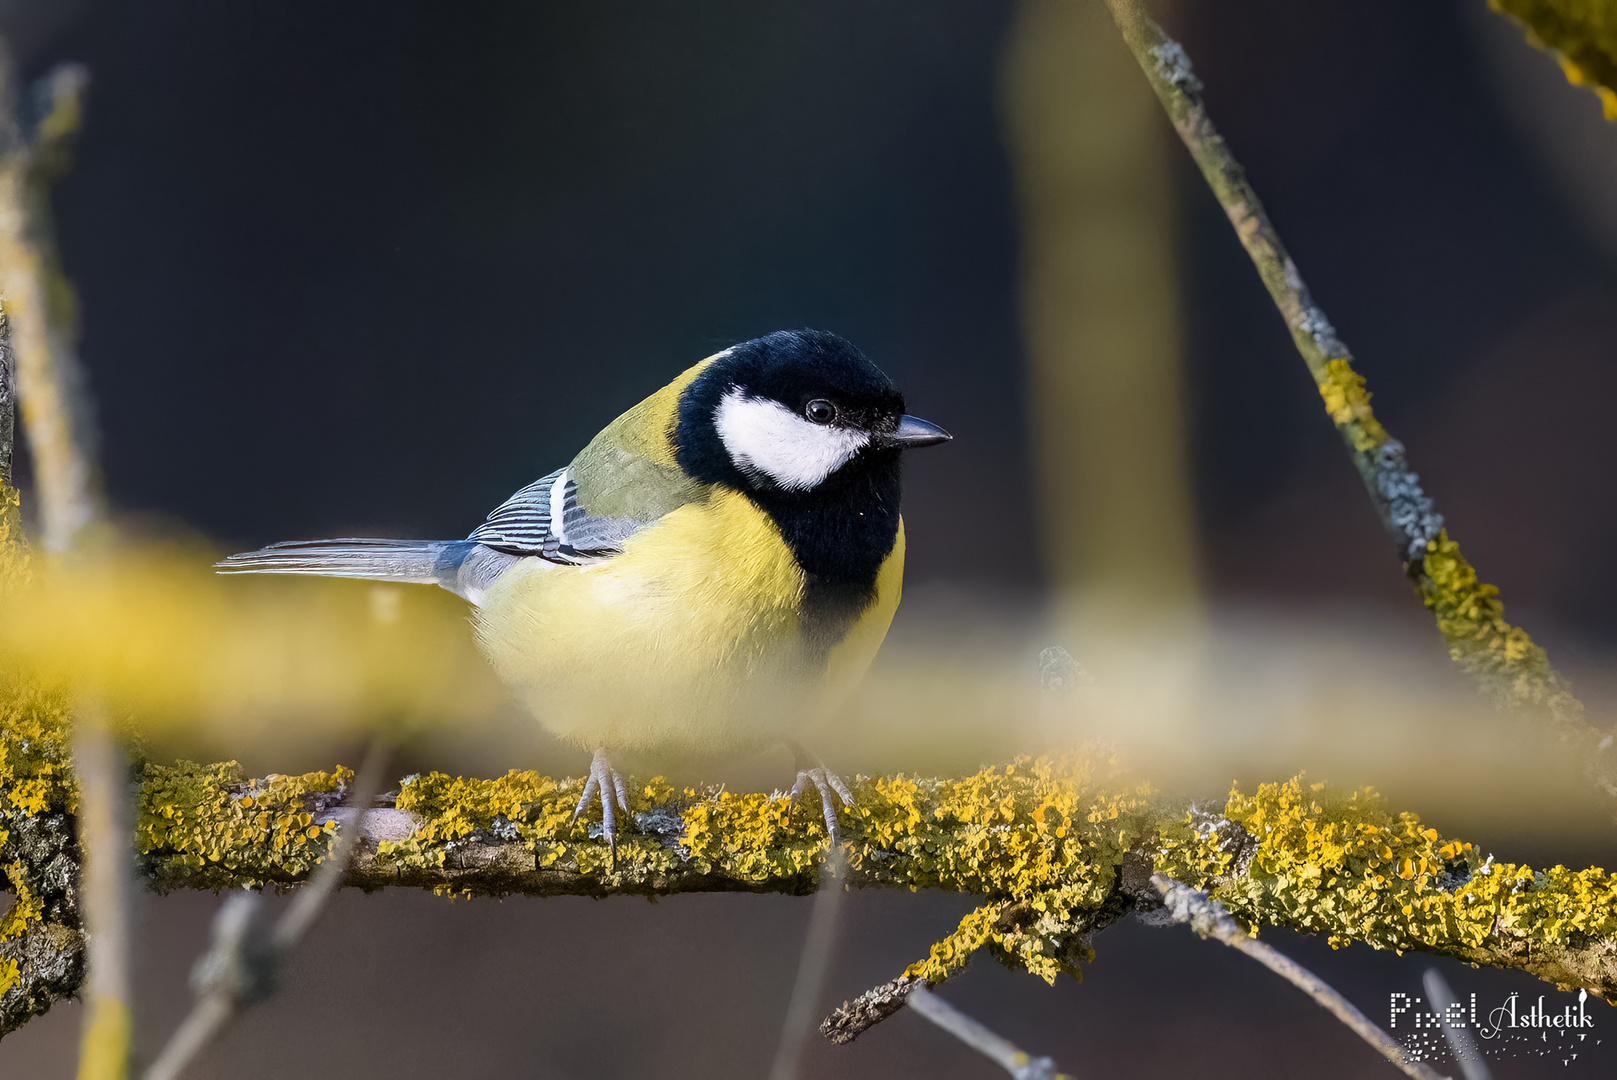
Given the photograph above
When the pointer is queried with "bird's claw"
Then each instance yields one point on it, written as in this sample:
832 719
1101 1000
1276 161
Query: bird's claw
811 770
605 781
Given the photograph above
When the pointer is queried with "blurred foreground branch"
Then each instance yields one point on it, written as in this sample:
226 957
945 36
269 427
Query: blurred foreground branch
1503 658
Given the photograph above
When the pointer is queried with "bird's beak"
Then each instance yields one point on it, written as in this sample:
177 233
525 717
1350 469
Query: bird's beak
912 432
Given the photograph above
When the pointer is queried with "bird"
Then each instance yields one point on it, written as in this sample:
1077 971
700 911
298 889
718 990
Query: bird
715 570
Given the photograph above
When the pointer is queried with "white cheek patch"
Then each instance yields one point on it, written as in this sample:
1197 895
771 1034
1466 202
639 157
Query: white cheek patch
765 438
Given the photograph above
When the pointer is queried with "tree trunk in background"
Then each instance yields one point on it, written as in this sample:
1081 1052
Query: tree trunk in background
1100 309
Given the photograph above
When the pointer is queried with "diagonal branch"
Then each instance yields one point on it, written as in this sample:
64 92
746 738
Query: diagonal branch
1502 658
1208 918
1001 1051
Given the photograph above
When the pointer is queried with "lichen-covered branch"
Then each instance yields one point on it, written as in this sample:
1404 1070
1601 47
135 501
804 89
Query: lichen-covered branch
1470 616
1581 33
41 940
1054 849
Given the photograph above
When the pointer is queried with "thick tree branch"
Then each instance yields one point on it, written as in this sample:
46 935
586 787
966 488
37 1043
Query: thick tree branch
1502 657
1054 849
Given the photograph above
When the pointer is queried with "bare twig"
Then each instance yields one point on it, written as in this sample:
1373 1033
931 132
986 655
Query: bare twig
13 545
811 966
1001 1051
107 859
57 416
239 967
1208 918
8 398
1502 658
1462 1047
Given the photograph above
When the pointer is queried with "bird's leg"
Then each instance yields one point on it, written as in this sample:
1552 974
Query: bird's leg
811 769
605 781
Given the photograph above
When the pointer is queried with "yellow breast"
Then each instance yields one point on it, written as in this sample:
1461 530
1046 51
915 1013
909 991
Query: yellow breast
687 642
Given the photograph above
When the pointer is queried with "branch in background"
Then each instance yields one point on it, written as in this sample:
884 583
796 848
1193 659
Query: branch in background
1501 657
107 873
1209 919
811 966
239 968
1001 1052
8 405
1582 34
13 544
1462 1047
56 412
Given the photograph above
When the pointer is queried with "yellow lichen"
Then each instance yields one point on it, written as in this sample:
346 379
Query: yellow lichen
34 779
1348 403
1583 36
14 568
1471 618
210 826
1349 868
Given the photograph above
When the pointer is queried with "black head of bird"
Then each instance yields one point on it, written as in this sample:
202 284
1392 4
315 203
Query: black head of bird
791 413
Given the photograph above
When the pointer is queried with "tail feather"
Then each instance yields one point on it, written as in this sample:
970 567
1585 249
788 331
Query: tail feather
424 562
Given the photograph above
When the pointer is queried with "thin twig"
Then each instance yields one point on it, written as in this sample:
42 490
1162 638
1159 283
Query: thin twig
812 965
1462 1047
107 860
1019 1063
51 385
1208 918
239 967
8 399
1502 658
13 544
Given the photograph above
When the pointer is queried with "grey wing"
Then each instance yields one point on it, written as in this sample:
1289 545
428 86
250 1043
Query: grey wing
544 519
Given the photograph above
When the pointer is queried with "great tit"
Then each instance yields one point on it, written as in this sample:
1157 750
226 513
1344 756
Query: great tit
715 569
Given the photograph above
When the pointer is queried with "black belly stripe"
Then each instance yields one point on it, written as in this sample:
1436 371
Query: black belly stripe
840 533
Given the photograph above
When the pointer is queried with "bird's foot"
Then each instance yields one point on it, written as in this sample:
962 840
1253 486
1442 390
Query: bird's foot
811 770
605 782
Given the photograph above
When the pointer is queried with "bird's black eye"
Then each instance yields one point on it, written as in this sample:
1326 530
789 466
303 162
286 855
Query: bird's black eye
820 411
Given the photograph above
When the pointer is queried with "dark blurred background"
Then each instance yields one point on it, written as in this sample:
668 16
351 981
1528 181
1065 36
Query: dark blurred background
362 268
